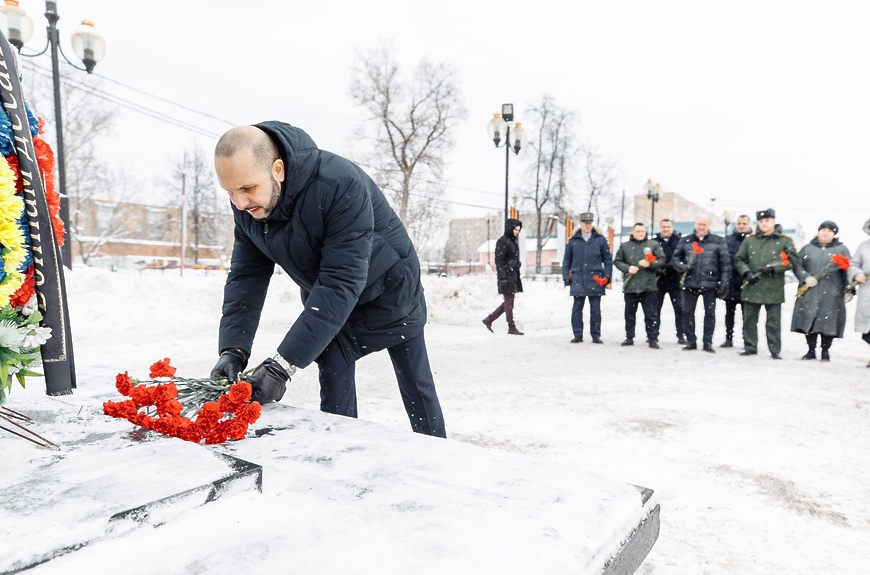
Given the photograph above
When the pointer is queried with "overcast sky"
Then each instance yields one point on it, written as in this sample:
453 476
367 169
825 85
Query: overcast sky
756 104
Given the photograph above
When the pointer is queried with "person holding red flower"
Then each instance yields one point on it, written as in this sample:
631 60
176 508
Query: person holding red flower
821 310
762 261
703 259
329 227
638 259
586 270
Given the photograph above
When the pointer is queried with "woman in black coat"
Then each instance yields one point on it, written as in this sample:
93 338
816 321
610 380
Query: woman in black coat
507 268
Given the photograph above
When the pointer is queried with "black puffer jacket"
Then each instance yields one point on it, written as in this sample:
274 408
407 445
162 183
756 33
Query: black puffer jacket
704 264
336 236
669 278
507 259
734 239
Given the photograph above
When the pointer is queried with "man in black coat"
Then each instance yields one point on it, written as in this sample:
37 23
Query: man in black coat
330 228
669 280
742 228
507 269
702 258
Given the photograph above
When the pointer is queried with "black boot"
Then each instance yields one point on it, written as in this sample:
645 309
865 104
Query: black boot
827 340
512 330
811 346
728 342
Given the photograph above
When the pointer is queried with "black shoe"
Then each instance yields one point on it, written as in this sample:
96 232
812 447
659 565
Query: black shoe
775 356
825 355
728 343
748 352
488 325
628 341
709 348
681 340
654 343
597 340
577 340
811 354
690 346
515 331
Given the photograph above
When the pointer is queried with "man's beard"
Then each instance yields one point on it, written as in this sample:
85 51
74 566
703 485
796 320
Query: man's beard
273 198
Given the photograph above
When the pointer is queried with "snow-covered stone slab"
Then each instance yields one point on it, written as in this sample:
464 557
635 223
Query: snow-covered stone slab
461 507
107 478
338 496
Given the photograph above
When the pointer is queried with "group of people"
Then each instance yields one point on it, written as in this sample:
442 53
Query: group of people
744 269
330 228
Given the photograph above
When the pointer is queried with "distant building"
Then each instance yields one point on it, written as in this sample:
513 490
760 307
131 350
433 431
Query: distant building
130 235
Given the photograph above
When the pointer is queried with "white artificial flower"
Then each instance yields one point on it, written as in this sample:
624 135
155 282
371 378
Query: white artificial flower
31 306
35 336
10 336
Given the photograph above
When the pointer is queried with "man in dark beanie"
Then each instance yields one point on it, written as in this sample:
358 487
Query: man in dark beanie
762 261
507 269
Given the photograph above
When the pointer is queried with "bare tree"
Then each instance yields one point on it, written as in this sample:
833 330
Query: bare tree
192 177
409 128
553 147
87 121
101 220
600 178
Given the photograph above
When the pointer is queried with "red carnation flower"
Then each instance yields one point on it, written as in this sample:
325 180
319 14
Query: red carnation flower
162 369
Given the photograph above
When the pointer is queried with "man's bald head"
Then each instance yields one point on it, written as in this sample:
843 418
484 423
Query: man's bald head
250 139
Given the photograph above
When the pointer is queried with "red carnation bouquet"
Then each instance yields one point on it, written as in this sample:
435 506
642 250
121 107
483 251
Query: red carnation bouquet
696 249
600 280
838 262
648 255
164 403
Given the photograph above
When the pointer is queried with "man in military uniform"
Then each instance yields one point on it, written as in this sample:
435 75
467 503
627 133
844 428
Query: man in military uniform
762 261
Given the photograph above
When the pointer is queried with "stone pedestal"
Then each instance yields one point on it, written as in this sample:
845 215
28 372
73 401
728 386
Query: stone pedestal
406 502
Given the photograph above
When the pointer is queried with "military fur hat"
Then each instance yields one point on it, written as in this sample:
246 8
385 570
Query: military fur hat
768 213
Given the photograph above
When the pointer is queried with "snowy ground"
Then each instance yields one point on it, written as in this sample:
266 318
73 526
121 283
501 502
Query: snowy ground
760 465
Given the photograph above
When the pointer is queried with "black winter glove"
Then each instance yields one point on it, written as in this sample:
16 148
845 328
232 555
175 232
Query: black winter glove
750 278
567 282
268 382
231 363
768 271
722 291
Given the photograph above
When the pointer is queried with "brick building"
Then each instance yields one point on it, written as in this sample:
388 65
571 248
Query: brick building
130 235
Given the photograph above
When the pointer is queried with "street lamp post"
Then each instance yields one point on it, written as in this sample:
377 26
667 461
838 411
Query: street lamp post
726 217
88 46
653 192
501 124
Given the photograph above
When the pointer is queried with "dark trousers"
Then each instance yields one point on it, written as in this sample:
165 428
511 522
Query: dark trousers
690 301
416 384
730 314
649 301
507 308
594 315
773 326
676 296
